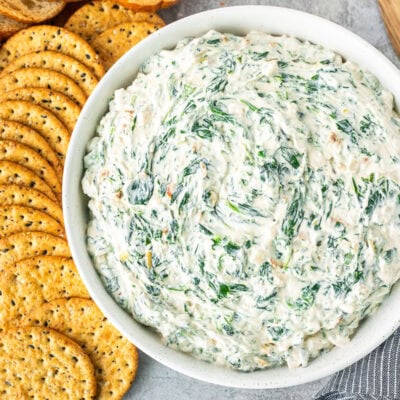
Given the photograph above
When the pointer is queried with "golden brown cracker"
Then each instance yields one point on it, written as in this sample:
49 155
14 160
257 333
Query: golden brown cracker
19 246
43 78
58 62
116 41
41 363
95 17
13 173
147 5
15 218
115 359
39 119
13 194
29 158
35 281
47 37
18 132
57 103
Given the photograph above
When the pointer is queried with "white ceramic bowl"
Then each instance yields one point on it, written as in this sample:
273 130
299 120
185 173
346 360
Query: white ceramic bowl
238 20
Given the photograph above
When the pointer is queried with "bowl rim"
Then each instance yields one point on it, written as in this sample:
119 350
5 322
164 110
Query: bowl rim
239 20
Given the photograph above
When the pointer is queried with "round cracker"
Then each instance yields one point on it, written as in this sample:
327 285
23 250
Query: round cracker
43 78
41 363
13 173
47 37
147 5
22 196
114 42
41 120
35 281
95 17
19 246
12 130
59 62
29 158
57 103
14 219
115 359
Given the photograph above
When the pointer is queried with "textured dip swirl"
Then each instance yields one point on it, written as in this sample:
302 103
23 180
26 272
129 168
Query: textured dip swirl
244 196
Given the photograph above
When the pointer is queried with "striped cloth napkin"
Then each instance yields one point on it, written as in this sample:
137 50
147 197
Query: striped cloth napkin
375 377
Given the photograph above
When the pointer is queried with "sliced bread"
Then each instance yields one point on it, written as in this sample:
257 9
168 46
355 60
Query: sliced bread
9 26
33 11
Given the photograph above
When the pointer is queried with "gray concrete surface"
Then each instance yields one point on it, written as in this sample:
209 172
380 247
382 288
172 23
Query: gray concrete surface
156 382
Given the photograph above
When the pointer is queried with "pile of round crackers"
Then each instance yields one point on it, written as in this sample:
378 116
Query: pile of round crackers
20 14
54 342
113 29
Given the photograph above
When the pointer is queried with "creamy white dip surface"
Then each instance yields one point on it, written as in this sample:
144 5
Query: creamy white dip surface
245 199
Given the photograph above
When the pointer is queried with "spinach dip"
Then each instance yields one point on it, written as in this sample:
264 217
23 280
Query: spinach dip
245 198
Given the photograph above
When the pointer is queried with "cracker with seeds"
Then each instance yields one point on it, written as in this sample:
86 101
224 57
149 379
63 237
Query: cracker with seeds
58 62
95 17
47 37
43 78
114 42
11 130
115 359
13 194
16 174
41 363
14 219
147 5
11 150
35 281
19 246
29 158
57 103
41 120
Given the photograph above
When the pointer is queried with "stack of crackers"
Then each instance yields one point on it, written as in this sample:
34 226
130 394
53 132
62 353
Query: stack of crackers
54 342
20 14
113 29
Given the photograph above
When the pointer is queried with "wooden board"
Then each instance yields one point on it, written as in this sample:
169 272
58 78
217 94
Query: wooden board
390 10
